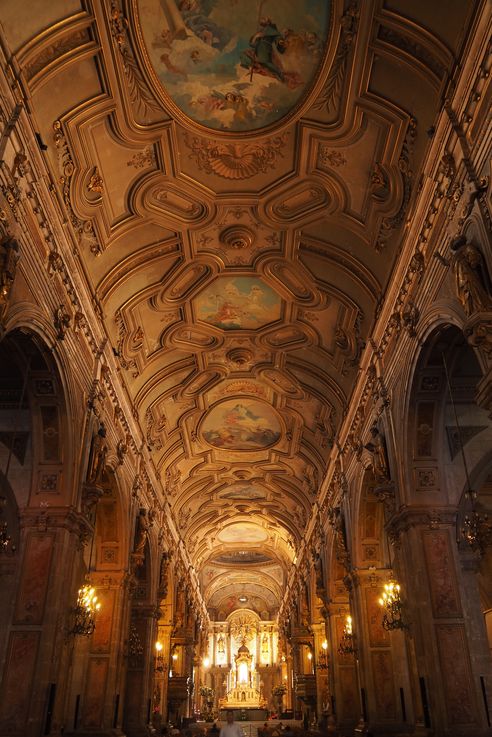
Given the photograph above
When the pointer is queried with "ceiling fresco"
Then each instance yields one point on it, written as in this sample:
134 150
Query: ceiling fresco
246 491
235 66
237 178
242 533
239 303
245 425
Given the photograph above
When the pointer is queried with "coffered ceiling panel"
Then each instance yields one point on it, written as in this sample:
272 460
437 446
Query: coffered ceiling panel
237 184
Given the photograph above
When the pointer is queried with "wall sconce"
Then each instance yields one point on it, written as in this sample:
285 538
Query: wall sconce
85 611
391 602
323 656
347 643
206 662
159 658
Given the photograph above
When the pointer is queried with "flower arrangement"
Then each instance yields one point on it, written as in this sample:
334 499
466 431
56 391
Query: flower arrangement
207 692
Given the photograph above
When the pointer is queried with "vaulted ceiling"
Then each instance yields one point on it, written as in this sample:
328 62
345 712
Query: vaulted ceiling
238 211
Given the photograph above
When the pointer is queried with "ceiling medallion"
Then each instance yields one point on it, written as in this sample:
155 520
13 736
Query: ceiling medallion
239 357
237 237
234 70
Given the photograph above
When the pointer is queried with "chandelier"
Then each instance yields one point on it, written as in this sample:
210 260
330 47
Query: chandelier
159 658
323 656
390 601
476 530
85 611
347 642
5 539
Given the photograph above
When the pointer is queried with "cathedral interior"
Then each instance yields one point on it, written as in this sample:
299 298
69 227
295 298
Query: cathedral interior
205 507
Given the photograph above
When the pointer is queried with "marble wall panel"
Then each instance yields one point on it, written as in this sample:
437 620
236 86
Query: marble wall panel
441 574
101 638
16 691
349 706
36 566
456 673
378 636
95 693
384 687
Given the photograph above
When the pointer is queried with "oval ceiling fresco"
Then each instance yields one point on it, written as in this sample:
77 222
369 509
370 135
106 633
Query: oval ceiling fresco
242 557
241 424
242 532
235 65
244 490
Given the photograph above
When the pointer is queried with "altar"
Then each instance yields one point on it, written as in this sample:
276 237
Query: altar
243 684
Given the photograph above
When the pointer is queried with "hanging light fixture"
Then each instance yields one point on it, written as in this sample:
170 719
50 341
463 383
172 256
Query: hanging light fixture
390 601
476 530
87 606
5 539
323 656
6 545
85 611
159 658
347 642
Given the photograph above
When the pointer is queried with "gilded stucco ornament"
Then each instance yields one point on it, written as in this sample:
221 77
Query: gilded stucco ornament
235 160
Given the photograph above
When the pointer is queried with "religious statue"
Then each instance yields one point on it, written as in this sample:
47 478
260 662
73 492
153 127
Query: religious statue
142 532
163 575
471 278
61 321
9 255
318 572
377 448
97 456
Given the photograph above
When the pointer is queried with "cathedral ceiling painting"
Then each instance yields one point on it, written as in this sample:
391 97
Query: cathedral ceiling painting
232 65
237 177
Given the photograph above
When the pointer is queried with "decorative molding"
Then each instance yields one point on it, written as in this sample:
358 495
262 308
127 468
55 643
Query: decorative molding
56 50
389 224
412 47
330 158
330 97
143 159
83 228
235 160
140 96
